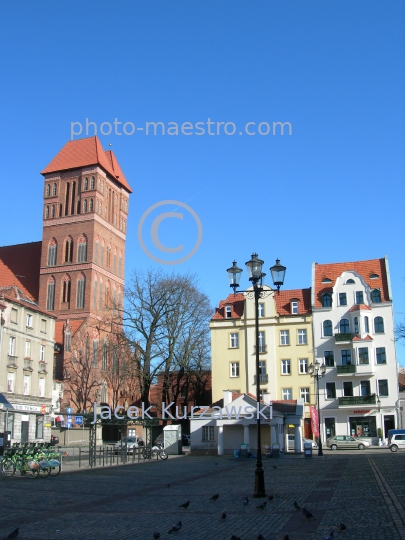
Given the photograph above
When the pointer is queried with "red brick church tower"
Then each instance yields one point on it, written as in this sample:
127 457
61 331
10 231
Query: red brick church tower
83 243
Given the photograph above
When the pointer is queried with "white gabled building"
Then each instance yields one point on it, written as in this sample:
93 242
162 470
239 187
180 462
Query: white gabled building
353 331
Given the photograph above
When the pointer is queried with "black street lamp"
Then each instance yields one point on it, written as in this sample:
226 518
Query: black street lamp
254 267
318 371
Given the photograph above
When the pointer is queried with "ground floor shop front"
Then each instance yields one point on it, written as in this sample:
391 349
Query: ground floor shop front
26 423
368 423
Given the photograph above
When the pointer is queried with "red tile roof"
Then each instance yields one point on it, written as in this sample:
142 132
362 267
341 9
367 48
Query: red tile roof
364 268
283 301
84 152
20 265
237 301
59 325
17 296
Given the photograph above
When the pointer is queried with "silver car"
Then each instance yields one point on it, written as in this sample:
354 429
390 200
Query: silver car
344 442
129 442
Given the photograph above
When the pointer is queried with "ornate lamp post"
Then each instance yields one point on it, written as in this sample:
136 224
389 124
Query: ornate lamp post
254 267
318 371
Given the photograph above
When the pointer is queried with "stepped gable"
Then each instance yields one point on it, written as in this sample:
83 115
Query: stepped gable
20 265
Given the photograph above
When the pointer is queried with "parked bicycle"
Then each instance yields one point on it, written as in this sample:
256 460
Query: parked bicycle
30 460
156 450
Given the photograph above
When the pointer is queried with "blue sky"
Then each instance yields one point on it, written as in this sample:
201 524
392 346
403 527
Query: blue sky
332 191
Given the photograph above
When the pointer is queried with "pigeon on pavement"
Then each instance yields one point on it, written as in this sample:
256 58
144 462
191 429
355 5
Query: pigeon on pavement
331 535
223 515
307 513
297 506
233 537
260 537
286 537
214 497
13 534
156 535
184 505
176 527
262 506
246 501
270 497
341 526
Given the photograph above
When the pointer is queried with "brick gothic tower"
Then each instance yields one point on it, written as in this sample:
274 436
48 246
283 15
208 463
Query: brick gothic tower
84 228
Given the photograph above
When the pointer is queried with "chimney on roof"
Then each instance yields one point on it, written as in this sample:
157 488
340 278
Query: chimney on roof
227 397
266 398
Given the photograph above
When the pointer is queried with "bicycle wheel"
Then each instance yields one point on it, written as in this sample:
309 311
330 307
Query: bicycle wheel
31 472
163 455
44 472
7 467
19 467
55 468
147 453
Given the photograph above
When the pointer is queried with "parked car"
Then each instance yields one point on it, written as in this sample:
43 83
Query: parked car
344 442
291 442
396 442
129 442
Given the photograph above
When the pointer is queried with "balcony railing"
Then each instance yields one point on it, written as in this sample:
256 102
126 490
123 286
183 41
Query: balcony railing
357 400
264 378
347 336
349 368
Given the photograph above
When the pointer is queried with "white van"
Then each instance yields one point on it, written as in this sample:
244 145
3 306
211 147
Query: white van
397 441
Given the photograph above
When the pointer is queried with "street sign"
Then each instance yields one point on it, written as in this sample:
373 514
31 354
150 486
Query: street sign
69 417
68 425
69 410
78 420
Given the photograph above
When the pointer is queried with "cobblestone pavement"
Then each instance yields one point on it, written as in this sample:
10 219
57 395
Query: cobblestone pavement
365 490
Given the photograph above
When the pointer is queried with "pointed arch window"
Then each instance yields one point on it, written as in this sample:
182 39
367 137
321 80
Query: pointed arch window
53 211
120 265
67 338
115 262
84 206
47 212
102 254
105 354
108 256
81 286
69 249
50 297
86 184
86 351
100 296
52 252
94 362
104 392
91 205
54 190
95 294
48 190
115 360
82 249
92 181
66 289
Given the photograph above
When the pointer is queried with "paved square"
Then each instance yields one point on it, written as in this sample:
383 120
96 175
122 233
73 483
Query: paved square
365 490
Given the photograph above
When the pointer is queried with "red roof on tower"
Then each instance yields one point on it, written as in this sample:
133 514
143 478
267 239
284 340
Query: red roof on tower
83 152
19 265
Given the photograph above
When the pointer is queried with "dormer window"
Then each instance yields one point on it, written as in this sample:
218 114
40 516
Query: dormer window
326 300
350 282
326 280
294 307
376 296
374 276
228 312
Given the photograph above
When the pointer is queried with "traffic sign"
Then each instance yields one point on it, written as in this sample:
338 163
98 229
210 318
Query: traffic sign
68 425
69 417
69 410
78 420
43 409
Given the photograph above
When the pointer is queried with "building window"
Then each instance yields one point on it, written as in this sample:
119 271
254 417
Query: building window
11 346
102 254
366 326
86 351
342 299
378 325
81 283
380 354
294 308
108 256
329 358
234 369
29 320
376 296
304 393
350 282
86 184
344 326
10 381
284 337
234 340
356 325
363 355
100 296
48 190
287 393
52 251
347 388
53 210
96 252
14 315
303 366
261 310
302 337
262 367
95 353
43 326
365 388
285 367
346 357
42 353
327 328
383 387
82 250
330 390
39 427
47 212
208 433
92 182
69 249
95 294
105 355
67 339
262 342
115 262
91 205
54 190
27 381
359 297
326 300
228 312
66 289
27 349
50 300
120 269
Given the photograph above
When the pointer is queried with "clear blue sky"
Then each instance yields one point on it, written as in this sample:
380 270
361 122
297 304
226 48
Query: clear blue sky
332 191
